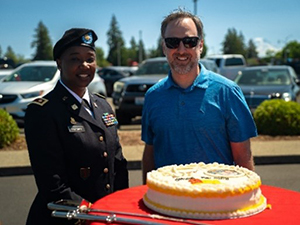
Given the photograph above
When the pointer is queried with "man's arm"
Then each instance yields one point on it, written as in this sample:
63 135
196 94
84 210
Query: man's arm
242 154
147 161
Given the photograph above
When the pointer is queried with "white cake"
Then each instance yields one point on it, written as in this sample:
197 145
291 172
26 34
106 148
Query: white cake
204 191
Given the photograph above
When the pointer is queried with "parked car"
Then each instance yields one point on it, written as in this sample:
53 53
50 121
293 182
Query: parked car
6 67
210 65
229 64
4 73
112 74
32 80
260 83
128 94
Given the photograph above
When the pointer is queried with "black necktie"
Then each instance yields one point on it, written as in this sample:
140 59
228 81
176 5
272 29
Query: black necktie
86 104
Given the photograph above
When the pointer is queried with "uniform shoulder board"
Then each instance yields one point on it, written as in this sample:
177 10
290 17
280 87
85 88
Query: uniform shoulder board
39 101
99 95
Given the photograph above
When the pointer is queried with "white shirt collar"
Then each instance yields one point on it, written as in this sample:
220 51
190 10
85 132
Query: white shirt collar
79 99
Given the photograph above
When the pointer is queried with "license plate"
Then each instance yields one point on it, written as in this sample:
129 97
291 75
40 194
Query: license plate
139 100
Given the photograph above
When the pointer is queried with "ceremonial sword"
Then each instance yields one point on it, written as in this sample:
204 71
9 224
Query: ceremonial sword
71 210
108 219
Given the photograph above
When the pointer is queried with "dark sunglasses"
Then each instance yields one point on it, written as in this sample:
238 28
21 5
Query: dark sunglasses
188 42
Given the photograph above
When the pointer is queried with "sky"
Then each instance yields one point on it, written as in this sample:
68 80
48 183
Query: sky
270 24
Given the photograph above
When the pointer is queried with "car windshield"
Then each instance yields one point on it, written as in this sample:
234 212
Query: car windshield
234 62
33 73
155 68
264 77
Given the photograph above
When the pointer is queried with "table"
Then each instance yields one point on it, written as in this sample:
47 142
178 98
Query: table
285 207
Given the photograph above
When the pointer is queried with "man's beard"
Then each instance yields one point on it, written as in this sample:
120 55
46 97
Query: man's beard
183 69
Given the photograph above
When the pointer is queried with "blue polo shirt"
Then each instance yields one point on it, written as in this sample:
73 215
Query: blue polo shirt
198 123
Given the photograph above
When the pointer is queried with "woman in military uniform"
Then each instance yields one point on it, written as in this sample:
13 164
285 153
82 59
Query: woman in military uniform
72 135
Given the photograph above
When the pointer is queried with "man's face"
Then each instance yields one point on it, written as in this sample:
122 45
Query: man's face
77 65
182 60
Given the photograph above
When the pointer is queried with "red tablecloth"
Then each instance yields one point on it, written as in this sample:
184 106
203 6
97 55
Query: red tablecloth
285 207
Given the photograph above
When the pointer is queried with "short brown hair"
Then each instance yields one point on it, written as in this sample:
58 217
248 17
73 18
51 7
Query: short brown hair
181 14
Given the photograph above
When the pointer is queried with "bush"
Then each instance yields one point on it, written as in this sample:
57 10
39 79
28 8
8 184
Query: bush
9 130
278 117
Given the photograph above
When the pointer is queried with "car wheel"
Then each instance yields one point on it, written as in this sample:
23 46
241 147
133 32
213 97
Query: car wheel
123 118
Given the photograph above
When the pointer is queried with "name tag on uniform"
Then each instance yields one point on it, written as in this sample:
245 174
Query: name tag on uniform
76 129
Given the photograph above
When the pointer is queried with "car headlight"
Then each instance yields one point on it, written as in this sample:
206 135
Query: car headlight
32 94
286 96
118 86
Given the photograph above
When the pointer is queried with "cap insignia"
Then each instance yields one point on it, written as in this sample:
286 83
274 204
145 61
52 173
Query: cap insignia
87 38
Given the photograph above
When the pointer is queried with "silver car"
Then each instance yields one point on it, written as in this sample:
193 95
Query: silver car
32 80
260 83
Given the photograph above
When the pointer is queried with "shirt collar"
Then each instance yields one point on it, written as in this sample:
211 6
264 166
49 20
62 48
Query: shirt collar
79 99
201 81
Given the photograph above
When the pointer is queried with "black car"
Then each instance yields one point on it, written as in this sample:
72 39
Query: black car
114 73
129 92
260 83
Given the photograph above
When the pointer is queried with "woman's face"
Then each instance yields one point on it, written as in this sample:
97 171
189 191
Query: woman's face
77 65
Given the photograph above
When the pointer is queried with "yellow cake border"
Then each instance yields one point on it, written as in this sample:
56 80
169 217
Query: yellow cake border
203 193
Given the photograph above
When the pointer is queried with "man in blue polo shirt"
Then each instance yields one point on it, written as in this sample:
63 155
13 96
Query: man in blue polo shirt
193 115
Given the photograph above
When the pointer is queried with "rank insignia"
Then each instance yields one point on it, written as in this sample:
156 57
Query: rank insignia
109 119
40 101
74 107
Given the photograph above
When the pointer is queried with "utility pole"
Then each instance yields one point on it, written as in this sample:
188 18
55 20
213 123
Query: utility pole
195 7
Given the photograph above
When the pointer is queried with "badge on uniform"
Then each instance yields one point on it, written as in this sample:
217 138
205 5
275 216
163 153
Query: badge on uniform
39 101
109 119
75 127
74 107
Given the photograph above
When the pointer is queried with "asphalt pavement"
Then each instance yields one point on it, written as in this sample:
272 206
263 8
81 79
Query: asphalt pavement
265 153
277 164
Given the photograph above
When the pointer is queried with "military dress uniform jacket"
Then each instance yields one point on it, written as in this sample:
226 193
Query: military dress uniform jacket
73 155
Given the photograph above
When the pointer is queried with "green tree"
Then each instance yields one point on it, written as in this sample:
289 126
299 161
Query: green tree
115 42
101 61
132 51
158 51
234 43
10 54
291 50
42 43
251 50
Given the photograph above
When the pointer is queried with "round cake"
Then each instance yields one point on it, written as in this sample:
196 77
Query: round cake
204 191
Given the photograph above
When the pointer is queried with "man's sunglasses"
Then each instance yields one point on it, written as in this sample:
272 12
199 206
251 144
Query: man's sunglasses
188 42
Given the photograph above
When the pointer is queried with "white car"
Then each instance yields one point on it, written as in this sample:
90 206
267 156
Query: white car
4 73
32 80
229 64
